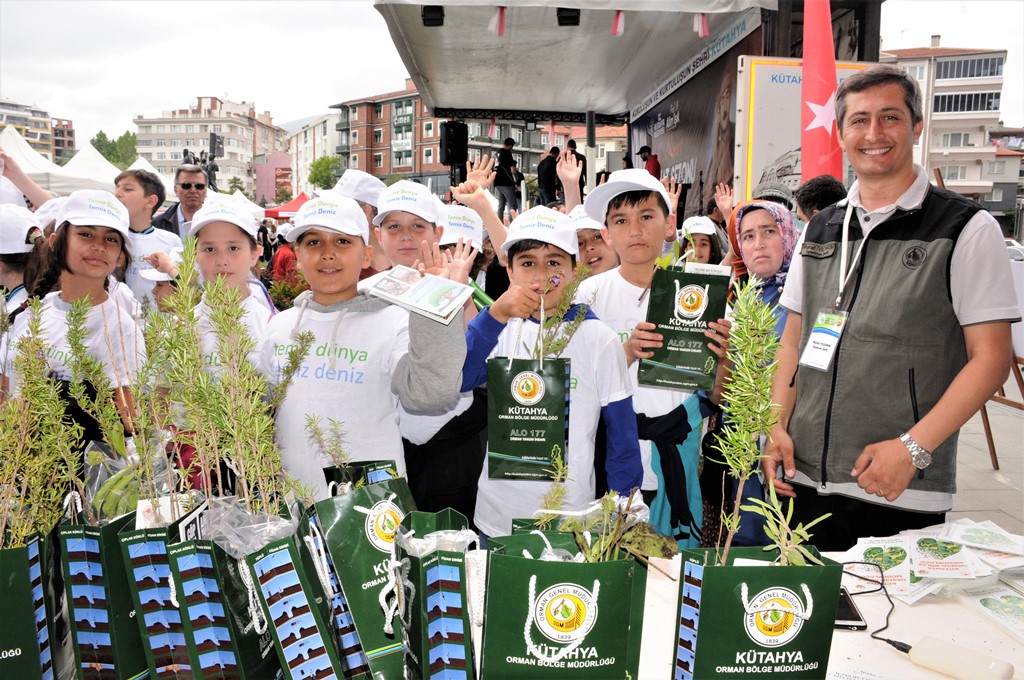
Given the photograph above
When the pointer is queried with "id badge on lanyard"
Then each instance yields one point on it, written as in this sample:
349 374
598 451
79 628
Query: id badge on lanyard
830 321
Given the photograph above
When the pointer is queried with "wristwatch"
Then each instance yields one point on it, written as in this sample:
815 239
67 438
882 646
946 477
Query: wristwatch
921 456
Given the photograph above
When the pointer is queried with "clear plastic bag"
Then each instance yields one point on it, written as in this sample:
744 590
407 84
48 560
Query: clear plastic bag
240 533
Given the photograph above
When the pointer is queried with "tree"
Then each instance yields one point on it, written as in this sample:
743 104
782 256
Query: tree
120 151
284 194
395 177
323 172
235 183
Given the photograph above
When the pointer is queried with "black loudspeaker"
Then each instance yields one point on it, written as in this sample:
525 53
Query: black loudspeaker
454 143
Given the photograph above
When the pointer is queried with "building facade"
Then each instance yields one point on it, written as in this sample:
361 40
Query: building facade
961 90
271 171
247 134
394 135
63 140
319 137
32 123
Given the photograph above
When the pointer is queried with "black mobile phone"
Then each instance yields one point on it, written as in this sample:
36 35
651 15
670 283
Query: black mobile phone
848 617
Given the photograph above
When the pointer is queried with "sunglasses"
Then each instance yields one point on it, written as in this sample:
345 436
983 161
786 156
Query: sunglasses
188 185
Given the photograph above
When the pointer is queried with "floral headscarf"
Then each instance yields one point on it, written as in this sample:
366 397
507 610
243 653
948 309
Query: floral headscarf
789 233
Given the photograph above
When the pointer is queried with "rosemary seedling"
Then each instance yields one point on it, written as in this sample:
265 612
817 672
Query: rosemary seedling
554 497
555 331
329 440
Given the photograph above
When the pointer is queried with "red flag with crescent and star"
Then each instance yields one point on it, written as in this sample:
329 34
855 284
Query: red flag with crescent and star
819 141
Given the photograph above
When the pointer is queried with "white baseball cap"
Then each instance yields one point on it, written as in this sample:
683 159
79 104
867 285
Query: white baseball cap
51 210
545 225
95 208
580 220
333 212
619 182
409 197
16 224
224 212
361 186
461 222
152 274
700 224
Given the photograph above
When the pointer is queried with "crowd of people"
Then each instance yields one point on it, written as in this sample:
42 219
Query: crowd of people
868 421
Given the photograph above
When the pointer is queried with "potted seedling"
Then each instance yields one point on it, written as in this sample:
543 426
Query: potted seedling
765 619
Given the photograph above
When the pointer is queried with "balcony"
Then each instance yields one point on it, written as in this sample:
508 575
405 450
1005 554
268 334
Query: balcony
341 148
342 125
403 119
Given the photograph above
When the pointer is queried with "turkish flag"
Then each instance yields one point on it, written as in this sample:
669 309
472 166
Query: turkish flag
819 142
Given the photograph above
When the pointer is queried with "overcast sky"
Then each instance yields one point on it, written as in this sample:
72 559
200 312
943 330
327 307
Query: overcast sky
102 63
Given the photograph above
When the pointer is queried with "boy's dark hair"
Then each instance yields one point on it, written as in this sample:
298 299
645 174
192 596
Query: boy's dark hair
572 144
56 261
712 206
818 193
528 244
150 183
635 198
509 142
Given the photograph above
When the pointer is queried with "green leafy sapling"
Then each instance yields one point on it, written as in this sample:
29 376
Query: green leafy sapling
555 332
785 538
38 443
554 497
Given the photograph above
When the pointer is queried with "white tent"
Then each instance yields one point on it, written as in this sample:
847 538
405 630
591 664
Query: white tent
142 164
237 199
88 162
248 205
46 174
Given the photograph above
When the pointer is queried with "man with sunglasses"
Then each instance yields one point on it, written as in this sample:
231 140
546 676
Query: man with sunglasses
190 187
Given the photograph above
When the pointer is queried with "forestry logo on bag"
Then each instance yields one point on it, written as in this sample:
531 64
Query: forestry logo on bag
528 388
691 301
776 618
381 524
565 612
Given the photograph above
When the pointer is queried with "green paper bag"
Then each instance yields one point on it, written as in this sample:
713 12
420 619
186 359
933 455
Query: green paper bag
105 636
774 621
527 416
301 596
34 640
358 473
359 528
559 619
434 610
144 552
682 305
225 631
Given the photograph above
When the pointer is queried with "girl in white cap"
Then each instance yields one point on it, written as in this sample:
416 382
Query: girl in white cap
88 245
21 243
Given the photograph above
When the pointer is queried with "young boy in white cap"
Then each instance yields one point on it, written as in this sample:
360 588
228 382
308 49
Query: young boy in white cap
634 208
142 192
407 216
367 356
541 249
594 250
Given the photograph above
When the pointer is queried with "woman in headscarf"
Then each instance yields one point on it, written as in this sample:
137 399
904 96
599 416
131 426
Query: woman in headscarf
765 238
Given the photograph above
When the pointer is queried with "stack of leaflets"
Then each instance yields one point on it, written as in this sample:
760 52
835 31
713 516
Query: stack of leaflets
956 555
431 296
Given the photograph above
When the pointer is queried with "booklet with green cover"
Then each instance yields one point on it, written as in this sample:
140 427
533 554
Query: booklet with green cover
683 303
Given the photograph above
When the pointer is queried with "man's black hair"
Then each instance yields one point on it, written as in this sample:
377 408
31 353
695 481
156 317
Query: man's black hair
529 244
712 206
572 144
509 142
818 193
635 198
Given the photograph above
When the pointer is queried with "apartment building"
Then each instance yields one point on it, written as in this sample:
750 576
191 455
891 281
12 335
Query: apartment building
315 138
63 139
247 134
31 122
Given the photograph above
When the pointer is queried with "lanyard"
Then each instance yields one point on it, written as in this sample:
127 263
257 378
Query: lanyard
14 291
844 273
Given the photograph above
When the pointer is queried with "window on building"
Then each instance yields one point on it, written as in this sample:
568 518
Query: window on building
305 136
403 159
355 161
160 128
560 141
966 101
144 142
995 197
190 128
517 134
144 129
956 139
355 136
428 156
216 128
378 136
473 129
161 155
204 128
428 129
544 139
953 172
161 142
378 111
519 161
996 167
378 160
175 128
916 72
323 128
600 150
979 67
353 113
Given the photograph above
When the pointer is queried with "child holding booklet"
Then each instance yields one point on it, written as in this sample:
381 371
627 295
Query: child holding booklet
541 250
634 208
367 356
